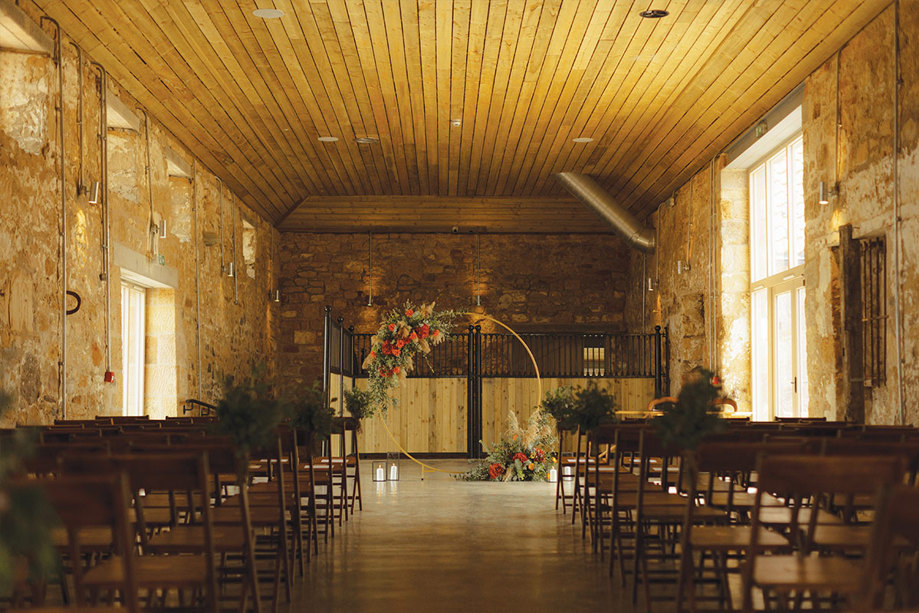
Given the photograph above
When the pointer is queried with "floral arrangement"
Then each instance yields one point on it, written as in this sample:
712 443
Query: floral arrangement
520 455
692 418
404 334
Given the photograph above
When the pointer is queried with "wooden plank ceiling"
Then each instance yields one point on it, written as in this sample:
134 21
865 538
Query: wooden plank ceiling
521 78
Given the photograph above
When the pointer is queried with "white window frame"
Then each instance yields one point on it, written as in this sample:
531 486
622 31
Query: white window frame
133 355
788 280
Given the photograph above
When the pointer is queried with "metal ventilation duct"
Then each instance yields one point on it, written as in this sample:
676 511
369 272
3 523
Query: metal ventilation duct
623 222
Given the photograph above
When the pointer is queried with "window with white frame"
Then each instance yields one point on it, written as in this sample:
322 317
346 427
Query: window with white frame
133 332
777 284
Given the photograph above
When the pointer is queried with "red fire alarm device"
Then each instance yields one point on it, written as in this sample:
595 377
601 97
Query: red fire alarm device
109 376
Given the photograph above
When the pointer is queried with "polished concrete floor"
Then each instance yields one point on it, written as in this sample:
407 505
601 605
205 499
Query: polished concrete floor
445 545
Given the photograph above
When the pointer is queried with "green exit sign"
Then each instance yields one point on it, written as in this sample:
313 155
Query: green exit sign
161 259
761 128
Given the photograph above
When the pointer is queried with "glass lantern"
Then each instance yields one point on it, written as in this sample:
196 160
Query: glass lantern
392 466
553 475
378 470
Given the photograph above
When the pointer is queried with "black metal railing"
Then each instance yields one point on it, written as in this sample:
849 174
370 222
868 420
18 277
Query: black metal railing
476 356
569 355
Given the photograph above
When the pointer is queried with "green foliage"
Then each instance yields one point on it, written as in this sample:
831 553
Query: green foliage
358 403
26 516
593 406
309 410
692 417
249 412
559 405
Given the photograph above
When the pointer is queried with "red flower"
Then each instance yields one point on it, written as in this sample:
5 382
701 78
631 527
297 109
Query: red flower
540 454
386 349
409 313
373 354
395 370
716 380
392 327
383 372
396 352
400 343
522 457
495 470
423 331
413 337
435 332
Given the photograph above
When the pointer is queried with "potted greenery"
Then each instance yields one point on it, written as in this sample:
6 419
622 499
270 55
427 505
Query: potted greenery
559 404
359 403
310 411
693 417
26 518
593 406
249 413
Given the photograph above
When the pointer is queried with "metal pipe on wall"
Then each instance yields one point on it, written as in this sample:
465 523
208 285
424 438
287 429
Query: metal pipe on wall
106 267
194 200
235 266
81 179
62 365
151 235
220 221
898 321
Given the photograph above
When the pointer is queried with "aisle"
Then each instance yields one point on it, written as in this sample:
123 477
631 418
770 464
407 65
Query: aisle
442 545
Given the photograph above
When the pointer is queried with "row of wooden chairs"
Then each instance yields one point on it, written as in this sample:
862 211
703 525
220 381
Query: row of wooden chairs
288 502
686 521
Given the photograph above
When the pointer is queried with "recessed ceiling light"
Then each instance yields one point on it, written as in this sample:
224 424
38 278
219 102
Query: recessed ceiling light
654 13
456 122
582 139
328 139
366 140
268 13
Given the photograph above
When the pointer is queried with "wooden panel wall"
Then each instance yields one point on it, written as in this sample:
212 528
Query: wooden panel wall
501 396
430 418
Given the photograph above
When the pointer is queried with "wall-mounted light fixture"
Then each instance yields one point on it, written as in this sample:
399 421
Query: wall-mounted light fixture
230 272
650 285
163 228
682 267
94 199
275 295
825 194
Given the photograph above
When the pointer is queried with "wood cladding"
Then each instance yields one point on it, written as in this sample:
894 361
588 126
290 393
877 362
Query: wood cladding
660 98
431 417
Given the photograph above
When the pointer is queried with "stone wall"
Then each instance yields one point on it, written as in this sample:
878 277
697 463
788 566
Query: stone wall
531 282
236 330
864 164
863 158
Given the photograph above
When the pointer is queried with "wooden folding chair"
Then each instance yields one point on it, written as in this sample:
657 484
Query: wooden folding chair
179 474
891 565
90 503
808 482
718 475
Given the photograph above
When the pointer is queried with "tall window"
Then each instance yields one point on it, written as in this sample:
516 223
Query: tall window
777 284
133 315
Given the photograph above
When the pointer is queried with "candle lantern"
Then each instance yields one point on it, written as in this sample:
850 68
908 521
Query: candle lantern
392 466
568 472
553 475
378 470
